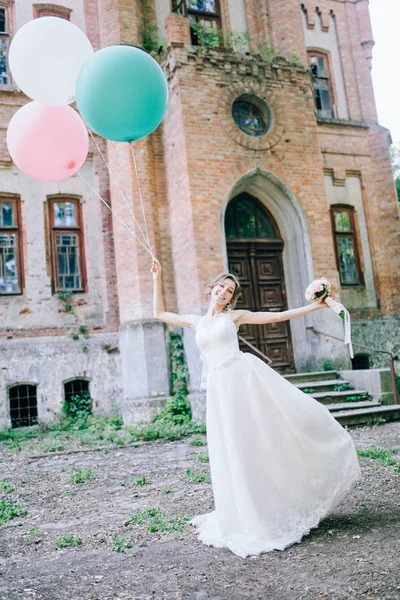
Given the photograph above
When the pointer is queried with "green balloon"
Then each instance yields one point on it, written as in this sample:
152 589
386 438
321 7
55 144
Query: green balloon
122 93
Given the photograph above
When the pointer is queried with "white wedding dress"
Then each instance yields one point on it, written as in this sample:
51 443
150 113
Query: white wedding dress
279 461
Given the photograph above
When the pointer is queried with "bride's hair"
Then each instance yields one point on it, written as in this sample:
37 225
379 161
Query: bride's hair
232 302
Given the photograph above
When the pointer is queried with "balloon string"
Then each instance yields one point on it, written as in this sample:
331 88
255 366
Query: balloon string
117 215
146 239
140 195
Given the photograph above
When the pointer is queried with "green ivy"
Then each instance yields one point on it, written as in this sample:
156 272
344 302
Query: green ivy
79 407
178 409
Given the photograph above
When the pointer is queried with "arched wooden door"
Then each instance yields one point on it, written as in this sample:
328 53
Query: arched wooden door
255 249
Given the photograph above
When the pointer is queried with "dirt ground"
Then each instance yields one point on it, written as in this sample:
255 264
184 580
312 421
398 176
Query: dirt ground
354 553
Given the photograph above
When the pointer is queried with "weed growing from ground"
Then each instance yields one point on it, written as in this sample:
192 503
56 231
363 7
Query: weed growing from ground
142 480
197 441
166 490
68 540
197 477
157 521
385 456
81 475
10 509
5 486
121 542
203 458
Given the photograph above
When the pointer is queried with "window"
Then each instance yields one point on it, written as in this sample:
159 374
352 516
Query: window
4 42
76 387
67 245
10 247
245 218
322 84
23 405
347 258
205 20
51 10
251 115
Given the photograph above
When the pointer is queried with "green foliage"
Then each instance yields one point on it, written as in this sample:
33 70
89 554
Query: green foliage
342 387
382 454
121 542
157 521
79 407
266 52
178 409
68 540
357 397
197 477
81 476
307 390
53 446
85 348
398 382
32 531
166 490
10 509
203 458
142 480
397 182
327 365
75 337
207 36
5 486
106 347
197 441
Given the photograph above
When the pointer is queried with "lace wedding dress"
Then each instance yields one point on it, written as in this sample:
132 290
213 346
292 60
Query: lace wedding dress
279 461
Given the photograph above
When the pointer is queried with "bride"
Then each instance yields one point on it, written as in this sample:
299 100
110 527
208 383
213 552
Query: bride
279 461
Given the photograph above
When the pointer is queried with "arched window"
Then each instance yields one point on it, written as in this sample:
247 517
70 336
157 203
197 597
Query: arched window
346 246
23 404
245 218
51 10
322 83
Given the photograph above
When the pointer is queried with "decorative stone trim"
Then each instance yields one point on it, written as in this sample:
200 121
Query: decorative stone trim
52 10
226 99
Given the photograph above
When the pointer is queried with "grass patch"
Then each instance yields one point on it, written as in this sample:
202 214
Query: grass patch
203 458
197 441
10 509
121 542
156 521
197 477
166 490
92 431
81 476
68 540
5 486
142 480
385 456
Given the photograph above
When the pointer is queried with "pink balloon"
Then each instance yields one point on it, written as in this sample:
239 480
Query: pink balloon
49 143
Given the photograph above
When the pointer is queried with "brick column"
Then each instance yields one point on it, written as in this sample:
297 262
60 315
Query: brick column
286 28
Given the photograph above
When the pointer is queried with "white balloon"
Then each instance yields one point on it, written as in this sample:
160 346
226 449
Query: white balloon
45 58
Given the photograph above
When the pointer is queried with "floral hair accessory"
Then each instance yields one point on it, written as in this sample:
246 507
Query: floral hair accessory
318 291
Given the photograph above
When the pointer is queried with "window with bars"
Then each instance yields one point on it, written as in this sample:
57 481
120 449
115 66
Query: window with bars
75 387
10 247
322 84
4 43
68 267
23 405
346 247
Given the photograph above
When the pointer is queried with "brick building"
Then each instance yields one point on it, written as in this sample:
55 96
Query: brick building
270 161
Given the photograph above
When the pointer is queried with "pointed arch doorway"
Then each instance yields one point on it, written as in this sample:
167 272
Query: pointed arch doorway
254 248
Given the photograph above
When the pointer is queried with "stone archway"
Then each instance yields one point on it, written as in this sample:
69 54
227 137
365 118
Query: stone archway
254 248
287 214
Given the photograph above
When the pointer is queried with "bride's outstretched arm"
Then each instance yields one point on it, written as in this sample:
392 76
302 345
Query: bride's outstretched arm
159 311
242 317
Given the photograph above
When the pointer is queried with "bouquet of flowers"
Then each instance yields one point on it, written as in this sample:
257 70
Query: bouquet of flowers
318 291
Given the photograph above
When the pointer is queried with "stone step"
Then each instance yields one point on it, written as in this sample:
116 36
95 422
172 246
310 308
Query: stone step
320 386
331 397
296 378
350 406
364 416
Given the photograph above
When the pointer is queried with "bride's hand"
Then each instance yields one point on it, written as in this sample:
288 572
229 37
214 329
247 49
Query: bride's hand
155 268
323 304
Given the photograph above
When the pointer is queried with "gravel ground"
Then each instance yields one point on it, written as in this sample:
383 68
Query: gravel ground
354 553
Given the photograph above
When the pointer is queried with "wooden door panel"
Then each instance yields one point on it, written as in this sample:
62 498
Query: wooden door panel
271 296
275 330
268 268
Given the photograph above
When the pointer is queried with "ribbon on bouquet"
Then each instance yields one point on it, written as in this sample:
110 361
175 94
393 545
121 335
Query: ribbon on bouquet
318 291
342 311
